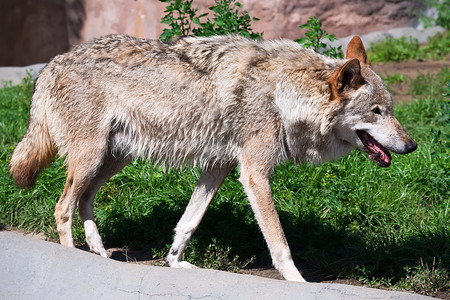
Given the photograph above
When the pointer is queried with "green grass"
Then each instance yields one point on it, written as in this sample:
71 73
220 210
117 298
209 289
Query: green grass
429 85
404 49
348 219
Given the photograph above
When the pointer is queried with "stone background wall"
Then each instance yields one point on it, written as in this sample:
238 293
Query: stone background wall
33 31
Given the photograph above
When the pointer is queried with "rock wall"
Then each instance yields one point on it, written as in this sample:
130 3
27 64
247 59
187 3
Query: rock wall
33 31
281 18
26 34
278 18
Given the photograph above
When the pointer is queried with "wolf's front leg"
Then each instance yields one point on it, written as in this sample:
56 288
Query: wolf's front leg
259 156
259 194
207 186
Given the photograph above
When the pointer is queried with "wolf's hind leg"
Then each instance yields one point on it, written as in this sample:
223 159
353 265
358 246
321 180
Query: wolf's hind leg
110 166
209 182
64 210
80 171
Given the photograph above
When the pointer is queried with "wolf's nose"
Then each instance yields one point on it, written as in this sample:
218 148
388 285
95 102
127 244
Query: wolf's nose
410 146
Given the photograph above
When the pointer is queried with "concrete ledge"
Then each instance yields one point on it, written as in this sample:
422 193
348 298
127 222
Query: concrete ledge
35 269
380 36
15 74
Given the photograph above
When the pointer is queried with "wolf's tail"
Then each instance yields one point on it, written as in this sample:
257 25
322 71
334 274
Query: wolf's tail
35 151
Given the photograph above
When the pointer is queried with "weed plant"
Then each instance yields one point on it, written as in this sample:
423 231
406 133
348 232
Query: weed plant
314 39
228 18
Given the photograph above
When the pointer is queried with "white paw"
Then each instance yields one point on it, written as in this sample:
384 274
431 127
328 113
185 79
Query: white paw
102 253
185 265
181 264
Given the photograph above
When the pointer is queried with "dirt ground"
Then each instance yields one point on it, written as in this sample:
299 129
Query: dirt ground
409 69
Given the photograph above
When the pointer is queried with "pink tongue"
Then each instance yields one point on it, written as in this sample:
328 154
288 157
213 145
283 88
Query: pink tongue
379 152
386 158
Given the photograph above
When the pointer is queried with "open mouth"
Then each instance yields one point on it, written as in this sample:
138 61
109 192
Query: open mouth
374 149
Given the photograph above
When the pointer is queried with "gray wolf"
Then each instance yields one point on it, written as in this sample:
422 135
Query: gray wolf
211 102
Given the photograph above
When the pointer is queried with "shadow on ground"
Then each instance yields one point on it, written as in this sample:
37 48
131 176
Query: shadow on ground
321 252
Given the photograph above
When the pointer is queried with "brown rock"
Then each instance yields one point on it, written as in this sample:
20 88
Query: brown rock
33 31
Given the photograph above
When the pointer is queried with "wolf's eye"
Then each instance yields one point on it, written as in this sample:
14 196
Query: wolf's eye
376 111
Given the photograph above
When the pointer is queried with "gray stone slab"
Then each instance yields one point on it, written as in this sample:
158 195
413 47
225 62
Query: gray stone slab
14 75
35 269
408 32
380 36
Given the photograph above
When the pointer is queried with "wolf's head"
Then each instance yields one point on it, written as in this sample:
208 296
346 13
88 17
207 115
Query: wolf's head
366 118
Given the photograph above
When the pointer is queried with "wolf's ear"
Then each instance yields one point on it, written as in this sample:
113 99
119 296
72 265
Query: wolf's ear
355 49
347 77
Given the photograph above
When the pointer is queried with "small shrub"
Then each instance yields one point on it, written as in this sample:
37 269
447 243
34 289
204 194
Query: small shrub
437 48
180 17
228 19
183 21
425 279
216 256
314 39
404 49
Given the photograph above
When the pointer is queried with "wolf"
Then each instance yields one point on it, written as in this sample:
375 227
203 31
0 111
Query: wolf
213 102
